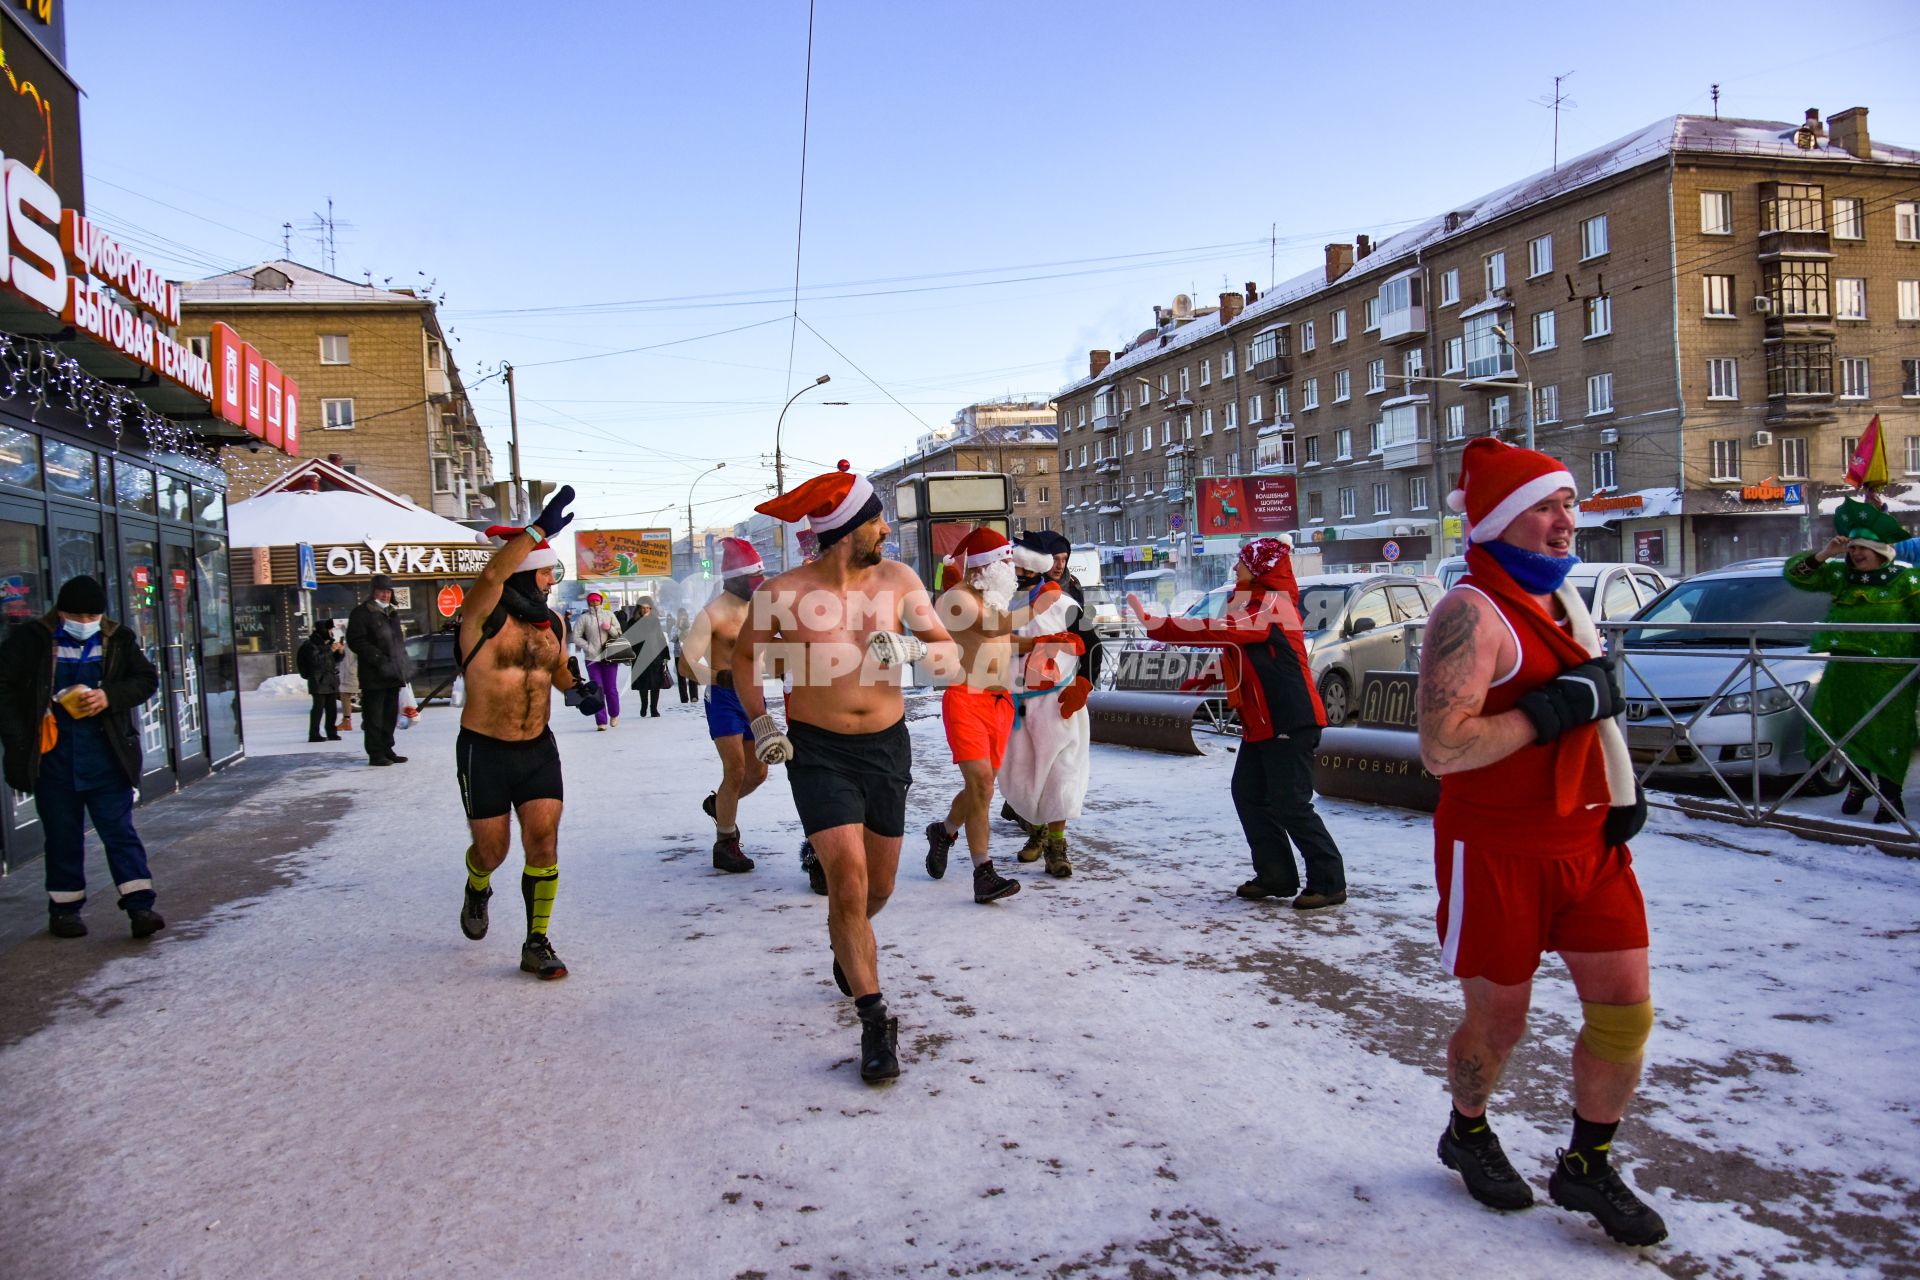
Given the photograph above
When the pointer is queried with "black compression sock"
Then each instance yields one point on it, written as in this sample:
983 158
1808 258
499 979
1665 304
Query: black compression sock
1475 1131
1591 1141
873 1005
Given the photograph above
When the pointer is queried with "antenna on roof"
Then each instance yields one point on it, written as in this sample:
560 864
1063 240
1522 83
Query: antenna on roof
1557 101
1714 90
286 241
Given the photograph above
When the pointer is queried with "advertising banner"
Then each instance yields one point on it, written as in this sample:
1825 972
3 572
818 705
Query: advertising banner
1246 504
623 553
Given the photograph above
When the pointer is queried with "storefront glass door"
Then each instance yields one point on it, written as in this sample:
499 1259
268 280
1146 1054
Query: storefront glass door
22 598
140 589
182 669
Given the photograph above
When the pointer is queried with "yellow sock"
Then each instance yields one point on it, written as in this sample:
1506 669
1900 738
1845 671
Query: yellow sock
537 886
476 879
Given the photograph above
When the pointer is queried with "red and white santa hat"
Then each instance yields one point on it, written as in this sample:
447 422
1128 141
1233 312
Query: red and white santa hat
833 505
541 557
981 548
1498 481
739 558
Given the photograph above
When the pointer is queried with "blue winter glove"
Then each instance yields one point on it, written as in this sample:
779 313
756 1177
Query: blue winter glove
554 516
589 700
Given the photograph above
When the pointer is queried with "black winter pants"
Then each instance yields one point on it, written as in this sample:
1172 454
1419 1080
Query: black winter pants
324 716
1273 793
379 713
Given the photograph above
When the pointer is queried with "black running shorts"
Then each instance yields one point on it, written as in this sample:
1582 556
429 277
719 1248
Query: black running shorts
496 775
842 779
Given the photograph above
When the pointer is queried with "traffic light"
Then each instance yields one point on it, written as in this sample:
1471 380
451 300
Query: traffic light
537 494
706 568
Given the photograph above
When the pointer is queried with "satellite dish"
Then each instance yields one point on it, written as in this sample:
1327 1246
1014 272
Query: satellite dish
1182 306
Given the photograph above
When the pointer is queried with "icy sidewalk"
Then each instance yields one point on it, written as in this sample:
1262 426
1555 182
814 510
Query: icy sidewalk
1130 1072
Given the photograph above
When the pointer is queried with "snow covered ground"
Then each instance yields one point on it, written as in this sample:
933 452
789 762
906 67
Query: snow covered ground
1131 1072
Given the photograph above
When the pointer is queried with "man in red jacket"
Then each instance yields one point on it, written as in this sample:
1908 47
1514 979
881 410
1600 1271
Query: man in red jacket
1270 683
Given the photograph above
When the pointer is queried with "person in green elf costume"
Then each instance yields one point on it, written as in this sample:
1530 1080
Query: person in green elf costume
1859 568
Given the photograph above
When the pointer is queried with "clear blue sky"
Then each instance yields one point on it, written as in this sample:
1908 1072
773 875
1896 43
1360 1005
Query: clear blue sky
959 152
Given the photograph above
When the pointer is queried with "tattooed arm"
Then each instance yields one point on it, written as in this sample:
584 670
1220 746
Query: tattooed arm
1464 647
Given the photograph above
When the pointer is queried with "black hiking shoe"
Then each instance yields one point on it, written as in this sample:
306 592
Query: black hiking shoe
1255 890
990 886
840 978
707 805
939 845
144 922
537 958
727 855
810 863
879 1047
1490 1177
1600 1192
473 913
1006 811
66 924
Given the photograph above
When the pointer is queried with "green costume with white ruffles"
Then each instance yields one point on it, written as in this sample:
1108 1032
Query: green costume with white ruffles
1848 690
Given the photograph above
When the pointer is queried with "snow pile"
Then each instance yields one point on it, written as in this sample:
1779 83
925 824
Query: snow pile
287 686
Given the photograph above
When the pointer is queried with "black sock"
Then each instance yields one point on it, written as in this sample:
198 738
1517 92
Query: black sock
1475 1131
871 1006
1591 1141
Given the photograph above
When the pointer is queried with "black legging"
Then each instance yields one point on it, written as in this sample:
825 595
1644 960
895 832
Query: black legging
647 685
321 721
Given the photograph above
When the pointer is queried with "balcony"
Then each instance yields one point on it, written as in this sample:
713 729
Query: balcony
1108 421
1177 400
1402 325
1110 509
1179 449
1107 467
1406 453
1175 493
1274 368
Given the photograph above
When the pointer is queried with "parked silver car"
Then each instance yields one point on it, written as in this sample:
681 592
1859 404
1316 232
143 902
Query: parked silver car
1355 623
1612 589
1752 716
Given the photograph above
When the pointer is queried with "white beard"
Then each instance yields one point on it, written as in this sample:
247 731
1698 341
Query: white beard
997 583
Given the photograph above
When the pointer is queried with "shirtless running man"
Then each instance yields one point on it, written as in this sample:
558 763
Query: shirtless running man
512 651
977 710
832 623
709 652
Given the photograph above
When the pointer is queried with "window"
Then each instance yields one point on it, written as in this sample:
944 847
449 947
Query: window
1909 291
1724 465
337 415
1599 394
443 475
1539 256
1853 379
436 354
1206 373
1546 404
1718 291
1797 287
1849 445
1040 467
1849 218
1226 363
200 346
1413 363
1382 498
1376 376
1232 416
1849 299
1337 325
1166 432
1906 220
1488 354
1450 287
1342 385
1495 265
1310 394
1375 435
1913 455
1306 336
1543 331
1800 369
1716 213
1166 386
1499 414
1910 379
333 348
1254 406
1603 473
1316 507
1313 451
1793 457
1599 316
1455 356
1146 439
1347 505
1206 422
1342 444
1792 206
1456 422
1083 415
1185 379
1186 426
1282 402
1723 378
1370 314
1593 237
1083 455
1417 493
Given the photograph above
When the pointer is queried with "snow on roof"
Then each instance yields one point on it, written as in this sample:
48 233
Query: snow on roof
1664 137
308 286
282 519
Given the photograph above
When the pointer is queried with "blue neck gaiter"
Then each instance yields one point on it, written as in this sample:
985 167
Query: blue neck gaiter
1534 573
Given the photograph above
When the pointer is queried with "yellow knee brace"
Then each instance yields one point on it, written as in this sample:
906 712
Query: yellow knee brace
1616 1032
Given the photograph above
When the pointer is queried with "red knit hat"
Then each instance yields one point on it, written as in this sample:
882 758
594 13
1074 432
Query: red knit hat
981 548
833 505
1263 555
739 558
1498 481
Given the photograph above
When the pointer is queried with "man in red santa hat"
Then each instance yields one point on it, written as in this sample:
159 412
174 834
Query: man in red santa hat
835 625
977 709
709 651
1537 802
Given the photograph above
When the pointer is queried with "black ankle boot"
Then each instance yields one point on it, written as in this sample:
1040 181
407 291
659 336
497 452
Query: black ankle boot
1856 799
1891 801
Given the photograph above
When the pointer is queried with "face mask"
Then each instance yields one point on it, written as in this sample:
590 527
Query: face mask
80 630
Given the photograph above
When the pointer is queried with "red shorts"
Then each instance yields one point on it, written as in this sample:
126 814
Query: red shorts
1500 912
978 723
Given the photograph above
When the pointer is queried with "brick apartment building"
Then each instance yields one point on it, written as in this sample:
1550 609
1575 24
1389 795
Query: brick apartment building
1018 438
1696 318
380 389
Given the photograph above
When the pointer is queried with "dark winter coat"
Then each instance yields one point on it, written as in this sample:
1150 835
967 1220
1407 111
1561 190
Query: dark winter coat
322 664
1264 660
375 637
27 661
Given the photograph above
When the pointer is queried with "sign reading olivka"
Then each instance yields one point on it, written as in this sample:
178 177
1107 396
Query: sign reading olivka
623 553
1246 504
67 265
403 560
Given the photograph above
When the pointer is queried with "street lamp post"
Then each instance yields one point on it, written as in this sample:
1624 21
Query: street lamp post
696 480
779 459
1527 382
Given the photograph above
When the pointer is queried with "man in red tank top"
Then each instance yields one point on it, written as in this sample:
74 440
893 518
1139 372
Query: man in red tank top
1537 802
